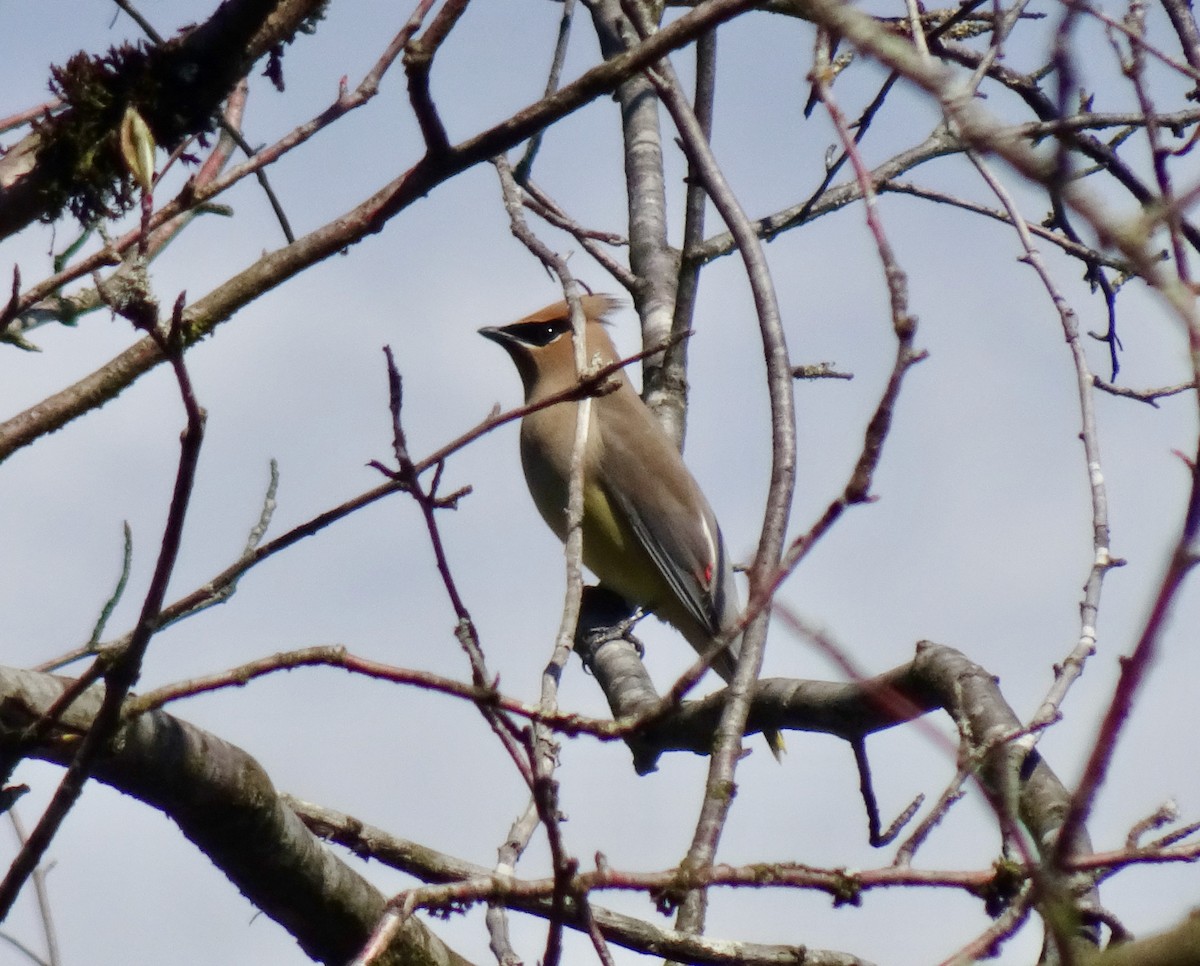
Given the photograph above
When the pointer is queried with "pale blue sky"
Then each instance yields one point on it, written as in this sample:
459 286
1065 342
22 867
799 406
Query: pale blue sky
980 538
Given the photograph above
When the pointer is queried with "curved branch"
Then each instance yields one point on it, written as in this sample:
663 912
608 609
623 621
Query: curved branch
938 678
432 866
225 804
369 217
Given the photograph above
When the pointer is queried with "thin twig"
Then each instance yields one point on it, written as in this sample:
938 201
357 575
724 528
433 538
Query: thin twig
1137 36
22 118
951 794
544 748
42 893
904 325
229 129
592 240
523 169
1083 252
507 856
1072 666
988 942
1134 69
418 61
408 476
673 367
1133 672
727 743
118 591
369 216
122 673
199 191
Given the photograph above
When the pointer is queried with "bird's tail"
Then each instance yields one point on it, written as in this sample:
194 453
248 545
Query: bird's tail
775 741
724 665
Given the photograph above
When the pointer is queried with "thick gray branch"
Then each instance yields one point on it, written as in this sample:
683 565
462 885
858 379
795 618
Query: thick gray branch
225 804
938 677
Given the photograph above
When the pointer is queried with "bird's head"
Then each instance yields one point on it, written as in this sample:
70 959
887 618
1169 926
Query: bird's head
541 348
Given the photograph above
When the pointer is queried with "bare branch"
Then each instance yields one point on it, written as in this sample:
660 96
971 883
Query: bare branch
1148 396
245 828
122 672
204 315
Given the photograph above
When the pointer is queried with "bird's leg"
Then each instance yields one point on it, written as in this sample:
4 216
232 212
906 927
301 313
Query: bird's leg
604 617
623 631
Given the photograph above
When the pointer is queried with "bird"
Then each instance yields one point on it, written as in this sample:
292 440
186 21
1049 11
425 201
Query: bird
649 534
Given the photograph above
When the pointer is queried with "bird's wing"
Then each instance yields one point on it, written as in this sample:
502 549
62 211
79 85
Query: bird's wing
669 516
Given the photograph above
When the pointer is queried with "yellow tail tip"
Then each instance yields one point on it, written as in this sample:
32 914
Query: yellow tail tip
776 743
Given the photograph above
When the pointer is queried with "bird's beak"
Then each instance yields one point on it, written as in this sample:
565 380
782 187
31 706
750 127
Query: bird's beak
496 335
517 351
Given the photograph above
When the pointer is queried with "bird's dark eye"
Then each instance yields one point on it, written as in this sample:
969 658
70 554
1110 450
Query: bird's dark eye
541 333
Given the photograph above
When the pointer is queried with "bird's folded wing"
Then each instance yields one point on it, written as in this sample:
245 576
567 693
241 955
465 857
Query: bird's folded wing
670 518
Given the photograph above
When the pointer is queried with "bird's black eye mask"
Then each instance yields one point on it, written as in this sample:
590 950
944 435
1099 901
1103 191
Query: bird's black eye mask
539 333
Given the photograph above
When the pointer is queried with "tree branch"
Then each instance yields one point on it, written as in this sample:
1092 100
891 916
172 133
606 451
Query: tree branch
225 804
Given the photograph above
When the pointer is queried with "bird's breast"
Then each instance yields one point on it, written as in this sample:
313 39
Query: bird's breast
611 549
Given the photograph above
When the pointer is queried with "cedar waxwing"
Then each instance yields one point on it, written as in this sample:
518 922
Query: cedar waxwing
648 532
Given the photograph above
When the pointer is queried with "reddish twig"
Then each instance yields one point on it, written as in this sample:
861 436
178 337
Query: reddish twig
121 672
22 118
904 325
408 477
